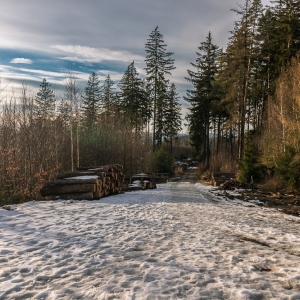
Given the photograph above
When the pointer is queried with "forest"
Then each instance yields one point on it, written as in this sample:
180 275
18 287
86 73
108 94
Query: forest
135 122
245 101
243 116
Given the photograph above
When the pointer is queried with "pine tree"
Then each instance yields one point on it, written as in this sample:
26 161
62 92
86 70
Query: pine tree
202 96
280 38
242 65
172 117
45 102
92 99
145 104
287 25
159 63
132 97
64 110
109 97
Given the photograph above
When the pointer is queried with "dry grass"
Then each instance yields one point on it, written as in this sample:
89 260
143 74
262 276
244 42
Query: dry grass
275 184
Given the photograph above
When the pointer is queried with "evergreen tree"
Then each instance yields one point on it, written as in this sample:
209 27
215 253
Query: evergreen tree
286 23
64 110
159 63
161 107
163 160
145 104
243 48
92 99
172 117
250 165
202 96
280 39
45 102
132 97
109 98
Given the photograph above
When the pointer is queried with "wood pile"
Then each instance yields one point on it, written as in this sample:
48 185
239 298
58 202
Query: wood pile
162 177
219 178
139 182
86 183
233 184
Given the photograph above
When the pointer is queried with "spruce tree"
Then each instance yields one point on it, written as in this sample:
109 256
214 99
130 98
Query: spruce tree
132 97
172 117
280 37
287 24
159 63
64 110
108 100
92 99
45 102
202 96
241 63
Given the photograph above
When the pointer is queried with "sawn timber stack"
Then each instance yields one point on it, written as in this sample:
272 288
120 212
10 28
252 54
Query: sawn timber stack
86 183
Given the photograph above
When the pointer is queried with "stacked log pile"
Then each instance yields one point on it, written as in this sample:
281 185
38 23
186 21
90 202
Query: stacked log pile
139 182
233 184
219 178
162 177
86 183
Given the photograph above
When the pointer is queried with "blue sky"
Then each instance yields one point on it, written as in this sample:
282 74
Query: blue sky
43 39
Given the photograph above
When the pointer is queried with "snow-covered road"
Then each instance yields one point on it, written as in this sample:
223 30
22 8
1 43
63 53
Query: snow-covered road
176 242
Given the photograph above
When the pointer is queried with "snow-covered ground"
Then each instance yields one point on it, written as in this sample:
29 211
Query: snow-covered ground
176 242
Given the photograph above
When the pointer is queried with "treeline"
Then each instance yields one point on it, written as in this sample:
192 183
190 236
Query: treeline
244 102
126 123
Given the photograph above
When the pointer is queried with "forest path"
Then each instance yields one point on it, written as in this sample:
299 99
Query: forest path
178 241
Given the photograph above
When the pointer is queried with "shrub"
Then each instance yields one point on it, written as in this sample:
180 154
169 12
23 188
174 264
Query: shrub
163 161
288 167
250 165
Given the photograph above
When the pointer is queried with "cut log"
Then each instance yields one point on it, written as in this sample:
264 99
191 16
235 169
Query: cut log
97 195
75 174
67 189
71 181
105 180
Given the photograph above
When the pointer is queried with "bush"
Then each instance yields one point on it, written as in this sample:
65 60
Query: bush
163 161
288 167
6 199
250 166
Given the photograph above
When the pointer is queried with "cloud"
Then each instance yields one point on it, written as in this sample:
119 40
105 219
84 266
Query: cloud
90 54
20 60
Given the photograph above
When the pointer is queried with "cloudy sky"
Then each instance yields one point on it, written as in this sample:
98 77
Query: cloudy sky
42 39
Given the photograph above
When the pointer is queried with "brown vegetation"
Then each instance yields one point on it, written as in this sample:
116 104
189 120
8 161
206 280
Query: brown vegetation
33 151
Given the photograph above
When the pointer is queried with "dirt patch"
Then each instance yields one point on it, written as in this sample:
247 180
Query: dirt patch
288 203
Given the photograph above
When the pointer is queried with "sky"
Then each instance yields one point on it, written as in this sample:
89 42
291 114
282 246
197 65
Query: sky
45 39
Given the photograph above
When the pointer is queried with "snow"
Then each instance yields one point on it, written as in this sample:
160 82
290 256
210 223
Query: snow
140 175
179 241
84 177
